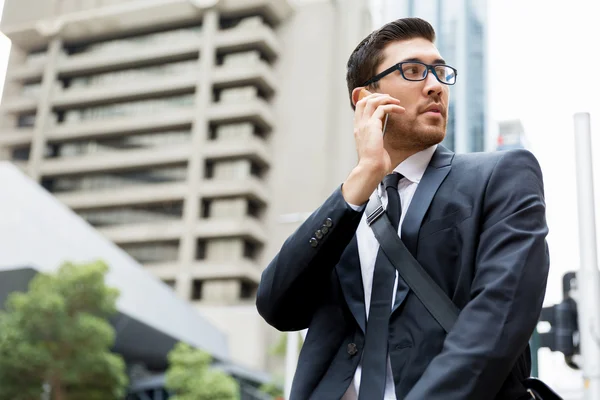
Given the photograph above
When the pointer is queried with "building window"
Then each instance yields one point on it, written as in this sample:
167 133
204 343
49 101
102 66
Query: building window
26 121
161 212
31 89
20 153
37 57
250 21
197 289
153 252
247 290
209 169
255 209
251 250
132 74
116 180
257 170
114 144
200 249
144 40
129 109
205 208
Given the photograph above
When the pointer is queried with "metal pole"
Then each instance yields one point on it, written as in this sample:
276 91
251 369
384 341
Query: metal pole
534 343
291 359
588 277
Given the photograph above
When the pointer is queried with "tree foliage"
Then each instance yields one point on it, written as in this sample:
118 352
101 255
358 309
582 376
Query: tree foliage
190 377
57 336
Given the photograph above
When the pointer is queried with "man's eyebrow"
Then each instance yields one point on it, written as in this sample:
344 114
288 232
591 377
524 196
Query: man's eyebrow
436 61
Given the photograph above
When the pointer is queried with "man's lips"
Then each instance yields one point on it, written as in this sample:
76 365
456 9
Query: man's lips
434 109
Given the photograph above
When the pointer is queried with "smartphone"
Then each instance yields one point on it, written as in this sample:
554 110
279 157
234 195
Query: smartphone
364 93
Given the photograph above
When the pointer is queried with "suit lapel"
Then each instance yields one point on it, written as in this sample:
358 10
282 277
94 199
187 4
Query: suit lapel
436 172
350 277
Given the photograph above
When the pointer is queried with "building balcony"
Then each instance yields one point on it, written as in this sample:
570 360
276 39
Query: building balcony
16 137
172 118
93 23
143 232
257 111
243 227
136 89
26 72
136 194
243 38
206 270
101 61
240 269
258 74
254 149
135 16
251 188
20 104
115 161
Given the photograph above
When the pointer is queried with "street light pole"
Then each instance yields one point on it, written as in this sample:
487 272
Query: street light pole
588 277
291 358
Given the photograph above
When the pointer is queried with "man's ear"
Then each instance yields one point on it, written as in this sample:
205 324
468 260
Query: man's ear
356 94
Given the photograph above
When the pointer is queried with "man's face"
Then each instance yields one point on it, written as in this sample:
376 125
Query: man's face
419 127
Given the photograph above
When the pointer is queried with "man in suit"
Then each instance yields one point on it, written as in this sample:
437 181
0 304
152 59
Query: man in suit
475 222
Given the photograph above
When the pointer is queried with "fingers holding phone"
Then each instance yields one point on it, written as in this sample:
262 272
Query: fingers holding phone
369 120
375 107
373 159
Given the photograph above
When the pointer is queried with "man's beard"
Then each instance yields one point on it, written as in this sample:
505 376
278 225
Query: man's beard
414 134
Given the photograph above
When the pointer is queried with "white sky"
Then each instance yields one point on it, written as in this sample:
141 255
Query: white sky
542 58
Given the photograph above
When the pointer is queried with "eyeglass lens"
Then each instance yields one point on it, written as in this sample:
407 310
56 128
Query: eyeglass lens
418 72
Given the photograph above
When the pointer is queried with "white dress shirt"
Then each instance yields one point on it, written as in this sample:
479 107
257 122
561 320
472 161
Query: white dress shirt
412 169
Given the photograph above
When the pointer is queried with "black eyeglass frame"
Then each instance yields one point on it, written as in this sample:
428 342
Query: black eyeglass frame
429 67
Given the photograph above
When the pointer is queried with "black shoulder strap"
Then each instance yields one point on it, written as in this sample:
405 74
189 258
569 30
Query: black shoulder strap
429 293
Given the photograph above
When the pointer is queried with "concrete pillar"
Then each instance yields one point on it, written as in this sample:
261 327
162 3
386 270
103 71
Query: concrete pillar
44 118
200 134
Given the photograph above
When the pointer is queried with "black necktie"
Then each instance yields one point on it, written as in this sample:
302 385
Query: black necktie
375 353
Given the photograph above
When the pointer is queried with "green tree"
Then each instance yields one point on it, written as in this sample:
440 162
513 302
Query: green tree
56 338
190 376
272 389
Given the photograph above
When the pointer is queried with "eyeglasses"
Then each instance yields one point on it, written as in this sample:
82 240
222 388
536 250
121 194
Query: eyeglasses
417 71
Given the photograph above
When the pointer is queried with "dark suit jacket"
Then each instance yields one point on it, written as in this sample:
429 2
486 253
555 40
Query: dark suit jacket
477 225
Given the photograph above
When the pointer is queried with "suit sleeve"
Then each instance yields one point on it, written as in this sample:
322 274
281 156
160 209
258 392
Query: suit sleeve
508 289
297 279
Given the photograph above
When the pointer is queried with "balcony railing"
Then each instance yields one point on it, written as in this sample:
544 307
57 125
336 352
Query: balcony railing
142 41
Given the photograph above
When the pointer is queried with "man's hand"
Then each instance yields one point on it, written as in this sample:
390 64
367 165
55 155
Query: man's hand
374 162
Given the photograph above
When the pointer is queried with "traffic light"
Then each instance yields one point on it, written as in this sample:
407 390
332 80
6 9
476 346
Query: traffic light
563 335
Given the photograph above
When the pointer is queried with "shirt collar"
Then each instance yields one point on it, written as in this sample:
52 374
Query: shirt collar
413 168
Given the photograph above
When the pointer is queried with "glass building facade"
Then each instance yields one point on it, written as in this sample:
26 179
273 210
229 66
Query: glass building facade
460 27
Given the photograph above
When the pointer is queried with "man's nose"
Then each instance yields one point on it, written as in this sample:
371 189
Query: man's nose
432 85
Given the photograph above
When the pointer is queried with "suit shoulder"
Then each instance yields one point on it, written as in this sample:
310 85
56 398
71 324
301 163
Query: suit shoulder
492 158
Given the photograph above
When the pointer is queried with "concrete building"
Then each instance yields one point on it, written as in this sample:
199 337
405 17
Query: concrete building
461 28
194 134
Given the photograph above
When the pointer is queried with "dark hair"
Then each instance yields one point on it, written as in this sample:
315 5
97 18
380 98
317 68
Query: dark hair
367 56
